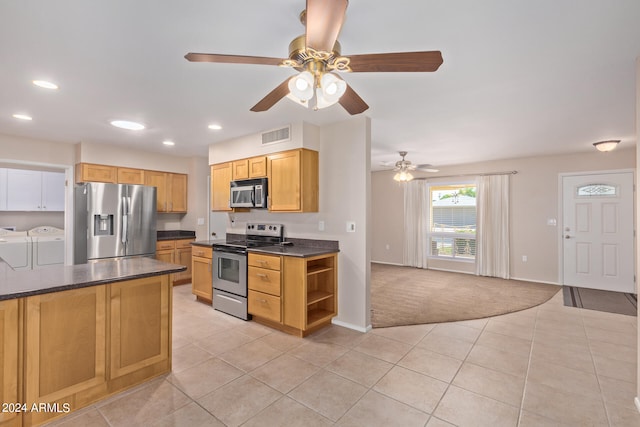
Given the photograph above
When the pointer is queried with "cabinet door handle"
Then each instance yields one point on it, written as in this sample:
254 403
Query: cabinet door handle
261 275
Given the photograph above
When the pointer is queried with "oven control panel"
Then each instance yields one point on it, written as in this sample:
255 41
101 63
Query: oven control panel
258 229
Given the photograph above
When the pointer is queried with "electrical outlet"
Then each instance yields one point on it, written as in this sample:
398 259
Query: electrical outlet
200 221
351 227
320 225
524 258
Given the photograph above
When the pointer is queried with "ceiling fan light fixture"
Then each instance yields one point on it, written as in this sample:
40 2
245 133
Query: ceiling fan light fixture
301 86
403 176
333 87
605 146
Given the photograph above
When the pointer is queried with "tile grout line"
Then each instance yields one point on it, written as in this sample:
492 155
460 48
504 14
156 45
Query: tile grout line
526 376
595 369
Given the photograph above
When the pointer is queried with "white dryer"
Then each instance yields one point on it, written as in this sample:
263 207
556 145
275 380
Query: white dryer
48 246
15 249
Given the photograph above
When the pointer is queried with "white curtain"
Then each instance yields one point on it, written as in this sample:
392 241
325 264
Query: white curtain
416 209
492 234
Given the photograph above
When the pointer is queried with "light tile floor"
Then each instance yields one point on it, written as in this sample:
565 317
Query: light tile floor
547 366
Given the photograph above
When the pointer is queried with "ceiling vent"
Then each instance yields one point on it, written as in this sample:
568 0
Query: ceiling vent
277 135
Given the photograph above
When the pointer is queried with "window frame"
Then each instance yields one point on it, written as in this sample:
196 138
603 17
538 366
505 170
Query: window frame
431 235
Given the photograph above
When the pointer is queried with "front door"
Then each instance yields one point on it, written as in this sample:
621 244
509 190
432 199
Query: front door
597 231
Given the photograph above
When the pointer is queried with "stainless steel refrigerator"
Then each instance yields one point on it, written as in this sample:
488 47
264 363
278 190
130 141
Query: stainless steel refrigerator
114 220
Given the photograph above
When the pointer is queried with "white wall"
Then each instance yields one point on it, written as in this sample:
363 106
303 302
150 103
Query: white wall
104 154
303 135
344 158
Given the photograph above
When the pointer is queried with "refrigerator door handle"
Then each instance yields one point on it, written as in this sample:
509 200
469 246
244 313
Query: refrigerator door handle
125 219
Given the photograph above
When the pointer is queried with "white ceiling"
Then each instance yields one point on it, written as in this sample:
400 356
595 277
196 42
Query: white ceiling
519 78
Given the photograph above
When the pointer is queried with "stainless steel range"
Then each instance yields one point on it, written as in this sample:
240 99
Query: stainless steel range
230 267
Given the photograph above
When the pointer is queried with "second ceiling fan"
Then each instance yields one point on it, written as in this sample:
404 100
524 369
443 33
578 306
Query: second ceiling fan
317 56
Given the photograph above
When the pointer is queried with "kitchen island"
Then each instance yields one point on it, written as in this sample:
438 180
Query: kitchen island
72 335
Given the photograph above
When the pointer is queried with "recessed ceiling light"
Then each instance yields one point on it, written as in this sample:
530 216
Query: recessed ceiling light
126 124
215 127
22 117
45 84
169 143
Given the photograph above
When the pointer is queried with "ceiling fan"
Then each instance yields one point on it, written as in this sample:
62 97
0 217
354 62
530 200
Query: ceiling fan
317 55
403 168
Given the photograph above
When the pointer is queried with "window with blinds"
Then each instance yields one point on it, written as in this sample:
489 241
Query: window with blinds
452 232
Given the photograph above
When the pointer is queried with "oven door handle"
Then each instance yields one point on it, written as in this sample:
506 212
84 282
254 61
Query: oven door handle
228 298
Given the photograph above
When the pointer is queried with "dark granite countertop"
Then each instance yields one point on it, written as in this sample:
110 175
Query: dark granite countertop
304 248
208 243
293 250
175 234
23 283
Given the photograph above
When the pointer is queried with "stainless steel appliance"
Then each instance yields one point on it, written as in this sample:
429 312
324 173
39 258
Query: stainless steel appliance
230 267
114 220
249 193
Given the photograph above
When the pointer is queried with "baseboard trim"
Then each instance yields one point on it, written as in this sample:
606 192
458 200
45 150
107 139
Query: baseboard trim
637 402
351 326
536 281
387 263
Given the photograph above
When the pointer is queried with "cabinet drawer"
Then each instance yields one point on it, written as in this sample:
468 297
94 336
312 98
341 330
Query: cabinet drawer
264 305
184 243
202 252
272 262
263 280
165 244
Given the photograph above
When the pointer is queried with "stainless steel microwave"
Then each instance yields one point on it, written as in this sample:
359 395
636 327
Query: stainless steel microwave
249 193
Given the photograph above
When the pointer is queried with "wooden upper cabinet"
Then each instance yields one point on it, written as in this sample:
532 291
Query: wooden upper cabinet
130 176
158 180
172 190
177 192
258 167
240 169
88 172
293 181
255 167
220 186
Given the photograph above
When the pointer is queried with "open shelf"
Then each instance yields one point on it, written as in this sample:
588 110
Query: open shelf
316 269
317 296
317 315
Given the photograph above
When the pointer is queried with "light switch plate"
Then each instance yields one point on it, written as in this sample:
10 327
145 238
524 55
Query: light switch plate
351 227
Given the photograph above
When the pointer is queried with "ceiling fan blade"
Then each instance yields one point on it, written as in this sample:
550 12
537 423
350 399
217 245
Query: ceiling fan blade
231 59
272 97
396 62
352 102
426 168
324 21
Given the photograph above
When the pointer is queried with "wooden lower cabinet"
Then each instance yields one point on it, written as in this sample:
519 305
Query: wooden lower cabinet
10 362
294 294
65 350
183 257
82 345
140 326
201 273
176 252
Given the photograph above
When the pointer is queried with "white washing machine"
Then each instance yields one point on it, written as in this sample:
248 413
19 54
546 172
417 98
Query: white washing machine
15 249
48 246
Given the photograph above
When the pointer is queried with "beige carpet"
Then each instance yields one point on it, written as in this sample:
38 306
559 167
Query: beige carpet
410 296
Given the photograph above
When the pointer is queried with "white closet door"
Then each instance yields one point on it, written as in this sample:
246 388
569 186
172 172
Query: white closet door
53 191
